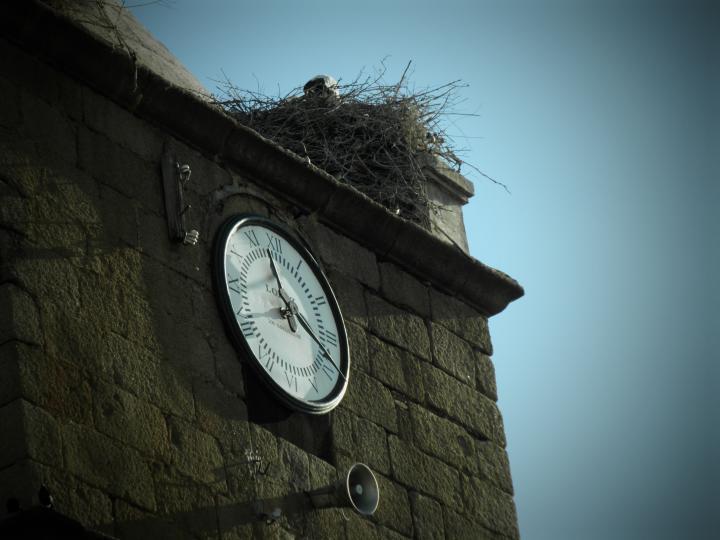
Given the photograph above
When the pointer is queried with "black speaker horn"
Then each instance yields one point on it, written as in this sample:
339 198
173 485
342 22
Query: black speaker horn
358 490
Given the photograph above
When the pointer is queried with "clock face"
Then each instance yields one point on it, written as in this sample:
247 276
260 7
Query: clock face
282 313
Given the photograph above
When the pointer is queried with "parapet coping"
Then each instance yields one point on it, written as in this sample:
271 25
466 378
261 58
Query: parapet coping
115 73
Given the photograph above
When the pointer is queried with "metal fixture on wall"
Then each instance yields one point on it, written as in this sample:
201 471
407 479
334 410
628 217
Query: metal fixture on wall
175 177
357 490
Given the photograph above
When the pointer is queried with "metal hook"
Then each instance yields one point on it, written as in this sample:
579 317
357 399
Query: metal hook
184 172
176 176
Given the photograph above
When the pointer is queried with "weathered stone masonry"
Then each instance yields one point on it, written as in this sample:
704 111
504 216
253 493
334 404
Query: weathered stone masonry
120 390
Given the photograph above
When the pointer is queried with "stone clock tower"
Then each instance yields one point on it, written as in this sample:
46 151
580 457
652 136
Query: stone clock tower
141 399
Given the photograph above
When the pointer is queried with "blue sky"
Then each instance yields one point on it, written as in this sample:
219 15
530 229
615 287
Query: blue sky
602 118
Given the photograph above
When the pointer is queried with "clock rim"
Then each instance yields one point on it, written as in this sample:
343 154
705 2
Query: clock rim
225 231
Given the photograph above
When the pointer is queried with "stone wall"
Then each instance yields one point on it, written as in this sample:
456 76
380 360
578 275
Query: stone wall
121 391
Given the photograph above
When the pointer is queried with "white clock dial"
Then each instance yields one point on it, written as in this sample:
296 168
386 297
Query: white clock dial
282 312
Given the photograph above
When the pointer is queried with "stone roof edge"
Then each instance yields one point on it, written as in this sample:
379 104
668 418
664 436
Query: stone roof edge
114 73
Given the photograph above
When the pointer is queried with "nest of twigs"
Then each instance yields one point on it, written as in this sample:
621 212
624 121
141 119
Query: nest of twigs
373 136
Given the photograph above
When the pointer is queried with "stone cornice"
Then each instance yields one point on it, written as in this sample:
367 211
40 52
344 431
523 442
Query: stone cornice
113 72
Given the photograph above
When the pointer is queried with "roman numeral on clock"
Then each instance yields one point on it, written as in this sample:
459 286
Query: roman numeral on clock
328 371
233 285
291 381
330 338
274 242
252 237
269 363
247 329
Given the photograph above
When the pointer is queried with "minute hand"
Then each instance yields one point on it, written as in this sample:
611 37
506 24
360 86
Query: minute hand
309 330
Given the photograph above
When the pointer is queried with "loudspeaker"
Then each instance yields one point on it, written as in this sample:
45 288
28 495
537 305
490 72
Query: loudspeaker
358 490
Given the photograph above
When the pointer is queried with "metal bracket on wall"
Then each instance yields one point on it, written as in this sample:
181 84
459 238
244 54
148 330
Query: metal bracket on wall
175 178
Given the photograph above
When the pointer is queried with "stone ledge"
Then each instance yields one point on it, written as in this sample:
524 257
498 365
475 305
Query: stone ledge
115 74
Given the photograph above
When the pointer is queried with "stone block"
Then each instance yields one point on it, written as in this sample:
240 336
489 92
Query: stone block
28 432
399 327
190 506
343 431
154 241
207 177
19 318
423 473
426 514
340 252
461 528
73 338
73 498
402 289
493 508
143 372
360 528
120 126
371 445
394 508
121 169
405 428
228 365
494 465
112 296
321 472
325 523
233 519
351 298
129 420
52 281
105 464
453 354
53 133
67 197
223 415
168 292
10 115
195 453
465 405
12 356
42 436
288 467
358 344
185 346
396 368
14 211
443 439
20 480
120 213
61 388
138 524
485 375
40 79
369 399
463 320
388 534
295 466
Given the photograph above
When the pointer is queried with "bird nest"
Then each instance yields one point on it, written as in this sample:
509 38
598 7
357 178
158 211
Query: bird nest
376 137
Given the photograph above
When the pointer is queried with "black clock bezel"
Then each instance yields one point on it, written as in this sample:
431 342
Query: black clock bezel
235 333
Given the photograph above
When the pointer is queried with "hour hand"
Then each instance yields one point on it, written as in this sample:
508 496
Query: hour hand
290 308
